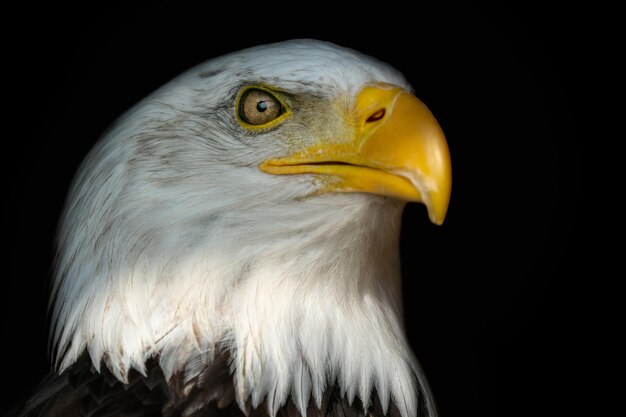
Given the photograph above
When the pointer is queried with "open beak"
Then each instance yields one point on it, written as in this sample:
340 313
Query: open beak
398 150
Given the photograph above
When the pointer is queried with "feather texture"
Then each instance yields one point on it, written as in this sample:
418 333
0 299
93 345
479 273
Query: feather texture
81 391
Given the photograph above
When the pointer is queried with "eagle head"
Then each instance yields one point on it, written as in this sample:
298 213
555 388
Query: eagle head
252 206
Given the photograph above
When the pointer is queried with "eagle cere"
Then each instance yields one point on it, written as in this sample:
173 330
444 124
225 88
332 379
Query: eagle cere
233 241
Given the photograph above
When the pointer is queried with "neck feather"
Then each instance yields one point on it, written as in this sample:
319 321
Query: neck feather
298 314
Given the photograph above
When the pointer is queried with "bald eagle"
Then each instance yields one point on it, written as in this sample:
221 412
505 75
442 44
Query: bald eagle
230 245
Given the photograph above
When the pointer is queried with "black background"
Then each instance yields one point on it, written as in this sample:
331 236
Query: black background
490 303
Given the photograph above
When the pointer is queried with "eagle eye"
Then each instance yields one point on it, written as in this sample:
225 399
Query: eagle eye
259 107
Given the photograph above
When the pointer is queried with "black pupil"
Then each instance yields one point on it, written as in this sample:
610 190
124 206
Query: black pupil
261 106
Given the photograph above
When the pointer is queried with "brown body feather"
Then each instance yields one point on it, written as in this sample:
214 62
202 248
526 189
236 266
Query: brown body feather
81 391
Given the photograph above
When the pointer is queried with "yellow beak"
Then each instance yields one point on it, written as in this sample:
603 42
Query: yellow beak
398 150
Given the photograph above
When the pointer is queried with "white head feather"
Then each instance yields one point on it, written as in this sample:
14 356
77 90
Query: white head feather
173 244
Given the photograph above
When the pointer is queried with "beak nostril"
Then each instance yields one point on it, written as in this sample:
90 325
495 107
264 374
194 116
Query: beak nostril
377 115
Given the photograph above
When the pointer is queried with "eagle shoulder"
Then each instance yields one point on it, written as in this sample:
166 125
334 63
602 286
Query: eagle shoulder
81 391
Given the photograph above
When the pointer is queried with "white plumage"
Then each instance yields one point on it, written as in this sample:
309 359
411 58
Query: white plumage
175 245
